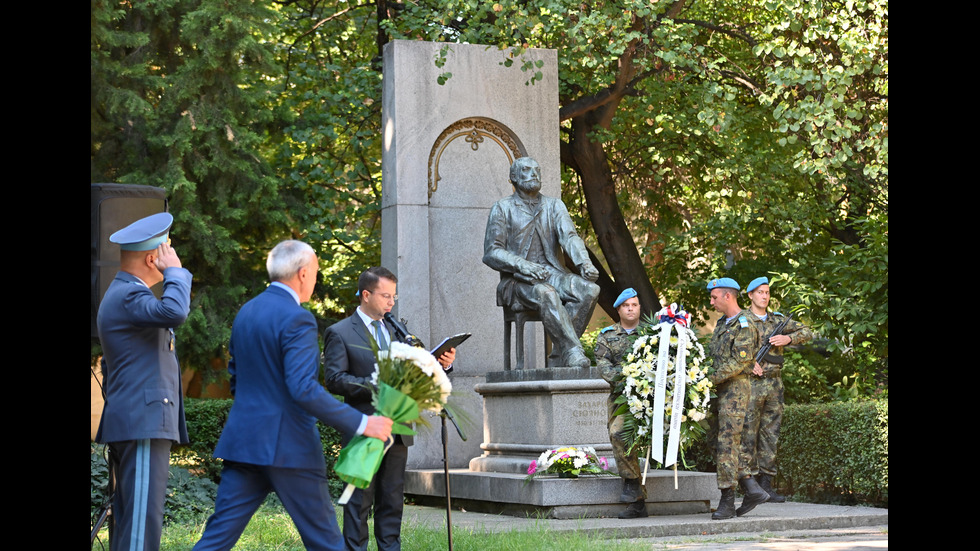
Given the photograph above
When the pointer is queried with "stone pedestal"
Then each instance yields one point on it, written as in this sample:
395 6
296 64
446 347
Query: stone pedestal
529 411
560 498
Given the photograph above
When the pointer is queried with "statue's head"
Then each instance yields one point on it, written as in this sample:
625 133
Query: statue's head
525 174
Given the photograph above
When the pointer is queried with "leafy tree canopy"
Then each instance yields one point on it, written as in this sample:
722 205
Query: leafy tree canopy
700 138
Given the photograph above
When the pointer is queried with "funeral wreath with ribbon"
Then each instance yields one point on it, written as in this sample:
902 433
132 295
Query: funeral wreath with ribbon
664 388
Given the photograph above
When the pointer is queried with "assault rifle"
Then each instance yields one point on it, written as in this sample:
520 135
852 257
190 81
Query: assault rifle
763 353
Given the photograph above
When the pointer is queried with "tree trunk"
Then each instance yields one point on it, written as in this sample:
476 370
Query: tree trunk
589 160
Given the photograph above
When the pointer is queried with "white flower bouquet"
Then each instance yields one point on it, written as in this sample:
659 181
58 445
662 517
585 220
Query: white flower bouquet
414 372
407 381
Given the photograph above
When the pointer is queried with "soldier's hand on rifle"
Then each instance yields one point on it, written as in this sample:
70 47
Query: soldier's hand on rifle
780 340
757 370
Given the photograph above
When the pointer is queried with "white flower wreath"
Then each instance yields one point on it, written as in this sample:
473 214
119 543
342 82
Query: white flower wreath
639 401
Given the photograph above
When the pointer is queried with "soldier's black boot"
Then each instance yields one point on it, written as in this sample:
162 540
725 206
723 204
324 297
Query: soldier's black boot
637 509
754 495
631 490
765 482
726 505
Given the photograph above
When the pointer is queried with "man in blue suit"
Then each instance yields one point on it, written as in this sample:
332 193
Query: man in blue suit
270 441
144 407
348 363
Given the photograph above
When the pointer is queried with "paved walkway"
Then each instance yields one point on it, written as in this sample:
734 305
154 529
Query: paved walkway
770 526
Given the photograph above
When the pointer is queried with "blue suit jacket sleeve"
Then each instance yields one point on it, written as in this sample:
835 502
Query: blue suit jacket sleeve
274 367
142 374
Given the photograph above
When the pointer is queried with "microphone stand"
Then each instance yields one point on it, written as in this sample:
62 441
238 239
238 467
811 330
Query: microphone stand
402 334
446 414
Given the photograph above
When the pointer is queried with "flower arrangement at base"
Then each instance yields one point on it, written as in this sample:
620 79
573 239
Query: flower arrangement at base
655 412
407 381
568 462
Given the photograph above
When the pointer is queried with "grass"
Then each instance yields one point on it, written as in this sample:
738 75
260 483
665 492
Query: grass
271 529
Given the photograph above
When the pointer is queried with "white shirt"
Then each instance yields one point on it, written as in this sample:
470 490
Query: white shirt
368 321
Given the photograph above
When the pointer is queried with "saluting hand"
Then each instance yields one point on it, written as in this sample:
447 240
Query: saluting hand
166 257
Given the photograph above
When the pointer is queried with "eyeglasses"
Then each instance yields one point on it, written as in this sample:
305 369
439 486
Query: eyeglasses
386 296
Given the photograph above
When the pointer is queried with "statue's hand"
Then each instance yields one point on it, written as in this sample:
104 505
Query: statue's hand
588 271
534 270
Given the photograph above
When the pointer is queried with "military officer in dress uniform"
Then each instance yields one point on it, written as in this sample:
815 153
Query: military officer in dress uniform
733 346
612 343
144 407
765 410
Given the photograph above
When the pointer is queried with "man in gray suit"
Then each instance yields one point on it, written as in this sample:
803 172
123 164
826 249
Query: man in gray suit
348 363
144 408
527 234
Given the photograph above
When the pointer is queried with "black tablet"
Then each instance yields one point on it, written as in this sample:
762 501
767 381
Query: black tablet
449 342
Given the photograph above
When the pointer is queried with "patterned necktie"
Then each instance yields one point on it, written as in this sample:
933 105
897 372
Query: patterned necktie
379 336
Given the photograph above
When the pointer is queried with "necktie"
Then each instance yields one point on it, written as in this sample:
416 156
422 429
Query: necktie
379 336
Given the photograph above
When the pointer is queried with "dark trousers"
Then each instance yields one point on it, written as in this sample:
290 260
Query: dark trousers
386 494
304 493
141 469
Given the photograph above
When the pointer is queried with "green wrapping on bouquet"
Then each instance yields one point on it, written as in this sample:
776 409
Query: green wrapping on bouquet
361 457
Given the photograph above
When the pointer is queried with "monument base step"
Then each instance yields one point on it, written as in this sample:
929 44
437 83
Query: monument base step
548 496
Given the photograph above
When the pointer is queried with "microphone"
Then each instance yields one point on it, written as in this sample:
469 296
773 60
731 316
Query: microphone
401 332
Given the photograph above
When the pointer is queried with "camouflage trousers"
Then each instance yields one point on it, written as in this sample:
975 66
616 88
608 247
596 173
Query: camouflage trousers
762 422
628 464
726 426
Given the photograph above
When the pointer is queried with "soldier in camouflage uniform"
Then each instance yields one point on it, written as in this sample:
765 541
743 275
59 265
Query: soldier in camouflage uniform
611 345
733 346
765 409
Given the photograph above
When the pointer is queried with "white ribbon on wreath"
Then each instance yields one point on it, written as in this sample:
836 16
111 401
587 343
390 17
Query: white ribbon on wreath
670 318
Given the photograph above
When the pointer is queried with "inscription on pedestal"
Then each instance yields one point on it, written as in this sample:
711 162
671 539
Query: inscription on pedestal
590 413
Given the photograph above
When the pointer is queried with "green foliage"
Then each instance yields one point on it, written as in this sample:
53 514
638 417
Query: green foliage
836 453
99 480
189 497
737 138
329 151
330 438
179 101
750 139
205 420
828 453
587 340
828 84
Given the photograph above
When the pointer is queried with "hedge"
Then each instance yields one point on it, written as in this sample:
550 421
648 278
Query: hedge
835 452
828 453
205 420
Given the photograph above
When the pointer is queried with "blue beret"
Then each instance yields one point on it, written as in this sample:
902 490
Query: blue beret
756 282
144 234
723 282
624 296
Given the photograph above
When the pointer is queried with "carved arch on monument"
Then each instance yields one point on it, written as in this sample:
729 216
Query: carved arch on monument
476 131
